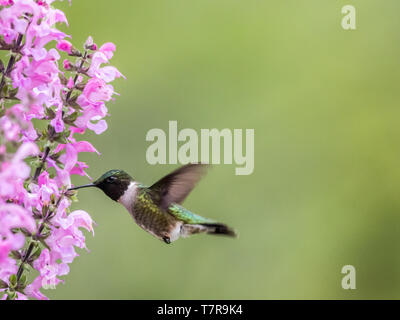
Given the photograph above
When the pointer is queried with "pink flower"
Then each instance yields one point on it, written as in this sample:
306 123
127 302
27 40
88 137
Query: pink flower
13 173
95 93
64 45
30 74
107 73
33 290
92 100
6 2
108 49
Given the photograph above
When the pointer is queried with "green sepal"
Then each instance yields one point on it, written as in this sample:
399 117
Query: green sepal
25 232
36 214
23 282
11 295
13 281
12 93
14 254
72 100
35 255
44 243
70 119
3 284
50 113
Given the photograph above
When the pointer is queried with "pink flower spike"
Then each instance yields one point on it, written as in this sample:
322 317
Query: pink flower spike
39 150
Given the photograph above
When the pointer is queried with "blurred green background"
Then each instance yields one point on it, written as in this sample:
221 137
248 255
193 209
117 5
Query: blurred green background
324 104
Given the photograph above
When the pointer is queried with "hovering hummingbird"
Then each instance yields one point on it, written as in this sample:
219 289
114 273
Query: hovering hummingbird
157 209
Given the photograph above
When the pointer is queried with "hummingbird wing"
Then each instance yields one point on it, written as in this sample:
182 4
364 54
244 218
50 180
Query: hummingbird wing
176 186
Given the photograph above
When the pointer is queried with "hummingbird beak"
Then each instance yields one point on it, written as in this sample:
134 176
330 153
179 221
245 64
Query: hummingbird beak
83 186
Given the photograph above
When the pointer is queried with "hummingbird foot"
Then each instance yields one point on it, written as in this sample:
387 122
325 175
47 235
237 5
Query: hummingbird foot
167 240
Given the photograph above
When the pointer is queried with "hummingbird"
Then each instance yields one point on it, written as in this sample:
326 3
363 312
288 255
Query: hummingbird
157 209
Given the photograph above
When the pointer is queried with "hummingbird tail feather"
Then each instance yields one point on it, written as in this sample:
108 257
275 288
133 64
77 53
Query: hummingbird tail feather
220 229
209 228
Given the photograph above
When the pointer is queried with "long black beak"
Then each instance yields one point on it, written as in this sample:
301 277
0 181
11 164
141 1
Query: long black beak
83 186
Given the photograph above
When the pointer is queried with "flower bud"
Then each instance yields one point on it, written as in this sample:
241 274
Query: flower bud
67 64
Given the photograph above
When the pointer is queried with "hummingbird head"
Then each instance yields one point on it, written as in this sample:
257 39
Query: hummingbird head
114 183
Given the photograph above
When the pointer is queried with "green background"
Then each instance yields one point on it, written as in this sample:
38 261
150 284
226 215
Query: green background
324 105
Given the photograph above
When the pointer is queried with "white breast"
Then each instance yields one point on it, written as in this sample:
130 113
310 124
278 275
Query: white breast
129 197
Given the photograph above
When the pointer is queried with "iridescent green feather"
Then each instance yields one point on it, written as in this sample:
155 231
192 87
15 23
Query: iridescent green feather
187 216
178 212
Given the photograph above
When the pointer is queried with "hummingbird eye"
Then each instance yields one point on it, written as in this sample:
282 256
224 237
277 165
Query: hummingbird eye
111 179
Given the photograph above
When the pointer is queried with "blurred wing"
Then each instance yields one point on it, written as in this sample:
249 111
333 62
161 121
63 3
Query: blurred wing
176 186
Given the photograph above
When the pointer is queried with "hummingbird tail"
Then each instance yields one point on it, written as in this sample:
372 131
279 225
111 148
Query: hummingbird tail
209 228
219 229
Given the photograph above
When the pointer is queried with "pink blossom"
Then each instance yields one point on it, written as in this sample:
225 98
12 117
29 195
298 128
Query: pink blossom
13 173
107 73
92 100
96 92
108 49
33 290
64 45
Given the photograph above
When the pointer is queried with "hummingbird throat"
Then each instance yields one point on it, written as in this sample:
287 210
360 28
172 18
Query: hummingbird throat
127 199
